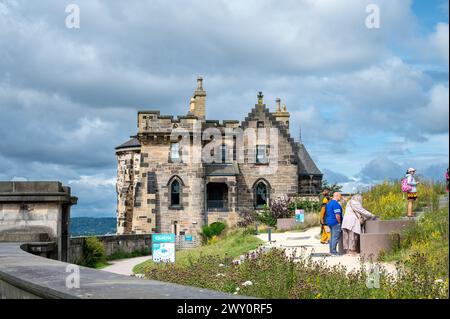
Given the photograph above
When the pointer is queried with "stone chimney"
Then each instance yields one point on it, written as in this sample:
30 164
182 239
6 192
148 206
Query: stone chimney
281 114
199 107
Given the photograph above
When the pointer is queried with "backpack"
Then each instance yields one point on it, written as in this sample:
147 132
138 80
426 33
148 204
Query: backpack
406 188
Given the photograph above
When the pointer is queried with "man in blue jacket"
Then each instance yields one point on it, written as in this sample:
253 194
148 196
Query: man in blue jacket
334 221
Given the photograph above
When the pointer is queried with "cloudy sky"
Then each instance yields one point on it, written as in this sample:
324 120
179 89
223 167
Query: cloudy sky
370 101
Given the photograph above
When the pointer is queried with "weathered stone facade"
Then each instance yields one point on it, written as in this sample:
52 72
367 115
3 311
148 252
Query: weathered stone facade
164 185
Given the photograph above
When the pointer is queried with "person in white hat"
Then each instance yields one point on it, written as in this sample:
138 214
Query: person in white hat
412 193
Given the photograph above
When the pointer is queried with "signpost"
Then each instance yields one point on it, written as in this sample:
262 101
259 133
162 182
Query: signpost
299 216
163 248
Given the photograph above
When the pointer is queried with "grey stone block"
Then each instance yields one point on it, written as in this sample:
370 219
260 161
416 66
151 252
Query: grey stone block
372 245
387 226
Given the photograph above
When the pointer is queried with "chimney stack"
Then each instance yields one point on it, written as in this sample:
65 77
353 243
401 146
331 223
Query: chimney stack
200 100
281 114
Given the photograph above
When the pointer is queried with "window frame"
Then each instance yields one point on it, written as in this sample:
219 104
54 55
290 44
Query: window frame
176 159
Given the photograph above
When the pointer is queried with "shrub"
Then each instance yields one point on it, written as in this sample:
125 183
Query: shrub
121 254
93 252
266 217
246 218
282 207
307 205
212 231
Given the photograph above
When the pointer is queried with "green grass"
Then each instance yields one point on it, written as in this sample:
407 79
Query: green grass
120 254
232 245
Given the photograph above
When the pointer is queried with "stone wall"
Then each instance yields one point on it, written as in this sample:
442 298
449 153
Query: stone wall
127 187
36 211
26 276
159 172
113 244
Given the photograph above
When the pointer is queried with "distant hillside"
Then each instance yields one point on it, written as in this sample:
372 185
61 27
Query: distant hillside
88 226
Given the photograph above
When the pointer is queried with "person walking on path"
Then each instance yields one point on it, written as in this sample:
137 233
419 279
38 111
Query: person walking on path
353 223
325 230
334 220
412 191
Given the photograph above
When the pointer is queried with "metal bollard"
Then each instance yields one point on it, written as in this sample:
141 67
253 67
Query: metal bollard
256 229
269 233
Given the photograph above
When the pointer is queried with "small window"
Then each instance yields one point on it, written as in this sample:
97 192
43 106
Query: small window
223 150
175 191
260 124
261 154
175 152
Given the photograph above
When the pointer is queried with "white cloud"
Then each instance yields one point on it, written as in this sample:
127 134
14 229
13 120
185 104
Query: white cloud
439 42
94 181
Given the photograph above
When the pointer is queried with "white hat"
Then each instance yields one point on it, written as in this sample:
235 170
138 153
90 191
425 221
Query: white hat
411 170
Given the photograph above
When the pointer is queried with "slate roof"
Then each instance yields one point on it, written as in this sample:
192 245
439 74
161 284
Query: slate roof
222 169
307 165
132 143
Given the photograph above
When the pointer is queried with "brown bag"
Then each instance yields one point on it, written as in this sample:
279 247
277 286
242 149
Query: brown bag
361 218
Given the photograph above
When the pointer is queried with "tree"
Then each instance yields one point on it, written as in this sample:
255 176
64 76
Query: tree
333 188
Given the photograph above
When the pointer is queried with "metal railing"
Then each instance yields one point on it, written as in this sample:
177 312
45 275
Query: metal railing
217 205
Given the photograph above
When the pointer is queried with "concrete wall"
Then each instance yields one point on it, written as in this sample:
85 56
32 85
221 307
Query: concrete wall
26 276
114 243
36 212
16 218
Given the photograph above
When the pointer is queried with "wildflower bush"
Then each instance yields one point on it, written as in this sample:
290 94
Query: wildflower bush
428 240
387 201
274 275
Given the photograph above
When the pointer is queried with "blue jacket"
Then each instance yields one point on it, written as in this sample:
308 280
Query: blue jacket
333 209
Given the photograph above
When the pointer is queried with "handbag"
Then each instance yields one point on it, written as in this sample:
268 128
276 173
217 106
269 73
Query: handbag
361 218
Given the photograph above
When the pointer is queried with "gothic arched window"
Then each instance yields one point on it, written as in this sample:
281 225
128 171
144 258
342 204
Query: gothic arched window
261 194
175 193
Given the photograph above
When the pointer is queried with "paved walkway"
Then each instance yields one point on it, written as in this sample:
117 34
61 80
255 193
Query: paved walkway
125 266
307 243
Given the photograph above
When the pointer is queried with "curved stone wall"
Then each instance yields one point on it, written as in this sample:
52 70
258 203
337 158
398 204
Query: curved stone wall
24 276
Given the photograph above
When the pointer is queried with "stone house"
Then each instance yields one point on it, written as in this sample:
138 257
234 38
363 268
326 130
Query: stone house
164 183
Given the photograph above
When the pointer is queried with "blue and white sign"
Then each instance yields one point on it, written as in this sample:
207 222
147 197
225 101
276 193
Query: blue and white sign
163 248
163 238
187 237
299 216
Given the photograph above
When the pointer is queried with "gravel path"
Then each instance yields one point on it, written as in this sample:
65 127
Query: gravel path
125 266
307 243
